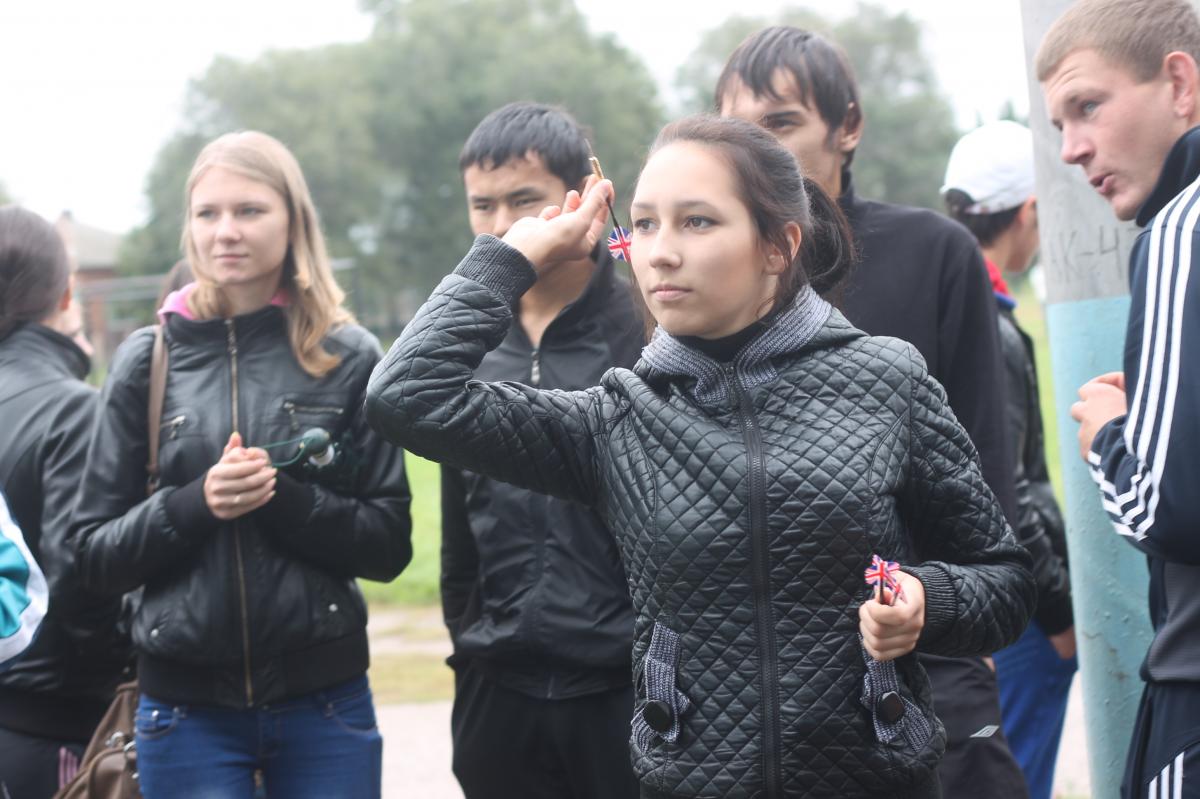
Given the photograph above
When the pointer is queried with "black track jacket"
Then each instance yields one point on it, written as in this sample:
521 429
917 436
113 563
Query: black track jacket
532 589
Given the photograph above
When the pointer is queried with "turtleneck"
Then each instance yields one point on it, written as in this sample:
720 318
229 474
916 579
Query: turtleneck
787 331
723 349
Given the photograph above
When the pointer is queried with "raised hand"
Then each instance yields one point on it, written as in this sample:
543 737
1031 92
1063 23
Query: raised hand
565 233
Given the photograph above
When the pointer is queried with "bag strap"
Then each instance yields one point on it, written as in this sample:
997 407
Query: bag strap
158 393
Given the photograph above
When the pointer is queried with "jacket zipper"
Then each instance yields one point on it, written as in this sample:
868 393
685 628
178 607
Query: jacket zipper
237 529
535 369
292 409
767 651
175 424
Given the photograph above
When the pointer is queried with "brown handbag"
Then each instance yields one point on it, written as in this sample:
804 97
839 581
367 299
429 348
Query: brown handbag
109 766
108 769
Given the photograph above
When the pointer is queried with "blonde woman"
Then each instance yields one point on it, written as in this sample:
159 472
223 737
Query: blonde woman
252 633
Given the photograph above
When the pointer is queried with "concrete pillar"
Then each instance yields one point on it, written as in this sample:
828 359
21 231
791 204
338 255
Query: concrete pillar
1085 253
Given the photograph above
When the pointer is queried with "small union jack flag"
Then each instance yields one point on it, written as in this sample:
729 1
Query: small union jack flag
884 572
618 243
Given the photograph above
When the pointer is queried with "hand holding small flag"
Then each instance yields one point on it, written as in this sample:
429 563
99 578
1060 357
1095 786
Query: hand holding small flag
891 631
882 575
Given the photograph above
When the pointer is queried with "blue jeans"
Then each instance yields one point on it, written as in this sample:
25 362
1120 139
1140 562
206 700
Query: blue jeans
324 745
1034 683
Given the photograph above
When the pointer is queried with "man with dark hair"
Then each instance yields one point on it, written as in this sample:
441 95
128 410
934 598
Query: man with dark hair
532 587
1121 82
921 278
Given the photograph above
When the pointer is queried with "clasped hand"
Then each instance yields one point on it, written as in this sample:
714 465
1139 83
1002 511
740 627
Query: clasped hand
890 631
563 233
1101 400
242 481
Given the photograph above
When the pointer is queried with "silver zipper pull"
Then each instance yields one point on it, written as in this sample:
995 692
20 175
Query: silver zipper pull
290 407
175 424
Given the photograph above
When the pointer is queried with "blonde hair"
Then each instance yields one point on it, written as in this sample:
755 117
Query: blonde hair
315 300
1134 34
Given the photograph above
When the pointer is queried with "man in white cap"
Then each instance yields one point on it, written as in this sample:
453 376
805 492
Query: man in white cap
989 188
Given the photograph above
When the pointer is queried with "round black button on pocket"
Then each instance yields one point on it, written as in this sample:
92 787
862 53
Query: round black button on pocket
890 707
657 714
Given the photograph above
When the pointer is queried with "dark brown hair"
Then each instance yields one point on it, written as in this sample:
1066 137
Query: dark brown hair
176 278
985 227
770 185
521 128
34 268
820 69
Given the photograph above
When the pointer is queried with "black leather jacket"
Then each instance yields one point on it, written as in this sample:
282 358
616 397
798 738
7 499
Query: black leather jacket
746 500
265 607
531 586
60 687
1039 526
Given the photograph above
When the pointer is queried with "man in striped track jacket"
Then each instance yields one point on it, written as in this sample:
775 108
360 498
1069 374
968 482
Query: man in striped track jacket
1121 82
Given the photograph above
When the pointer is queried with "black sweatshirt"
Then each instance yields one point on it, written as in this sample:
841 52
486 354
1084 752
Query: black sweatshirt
921 278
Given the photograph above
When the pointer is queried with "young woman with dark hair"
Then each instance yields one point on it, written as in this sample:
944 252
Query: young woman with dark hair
750 466
53 696
251 634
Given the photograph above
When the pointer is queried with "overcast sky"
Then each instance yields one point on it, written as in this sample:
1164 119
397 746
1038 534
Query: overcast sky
90 90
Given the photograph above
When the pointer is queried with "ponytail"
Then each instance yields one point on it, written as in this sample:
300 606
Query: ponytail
828 252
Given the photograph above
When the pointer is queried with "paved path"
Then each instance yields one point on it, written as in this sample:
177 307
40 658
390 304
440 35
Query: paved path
416 751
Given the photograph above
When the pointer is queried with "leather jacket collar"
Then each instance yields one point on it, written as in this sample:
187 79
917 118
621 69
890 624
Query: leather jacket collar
42 345
214 333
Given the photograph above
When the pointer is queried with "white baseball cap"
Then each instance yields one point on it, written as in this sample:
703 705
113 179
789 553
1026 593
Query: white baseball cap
993 164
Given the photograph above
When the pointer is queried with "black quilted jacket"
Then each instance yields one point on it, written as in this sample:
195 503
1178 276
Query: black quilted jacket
746 501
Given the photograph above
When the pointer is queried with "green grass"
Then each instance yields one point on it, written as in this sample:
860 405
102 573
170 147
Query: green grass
418 584
415 677
1031 315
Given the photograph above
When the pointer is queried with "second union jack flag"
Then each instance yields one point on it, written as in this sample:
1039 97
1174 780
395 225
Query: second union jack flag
882 573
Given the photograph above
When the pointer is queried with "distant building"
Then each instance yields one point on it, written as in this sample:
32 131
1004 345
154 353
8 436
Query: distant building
93 255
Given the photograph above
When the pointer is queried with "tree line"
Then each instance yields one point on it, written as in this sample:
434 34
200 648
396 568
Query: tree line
377 125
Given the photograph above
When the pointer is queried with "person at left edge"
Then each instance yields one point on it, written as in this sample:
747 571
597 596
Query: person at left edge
52 698
251 634
23 595
533 591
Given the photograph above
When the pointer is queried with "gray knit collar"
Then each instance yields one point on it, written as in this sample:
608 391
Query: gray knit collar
752 366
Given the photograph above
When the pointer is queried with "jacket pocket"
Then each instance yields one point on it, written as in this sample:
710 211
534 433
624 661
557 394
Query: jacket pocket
660 702
897 719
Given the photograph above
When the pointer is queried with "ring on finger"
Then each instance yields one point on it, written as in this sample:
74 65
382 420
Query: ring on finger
237 500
